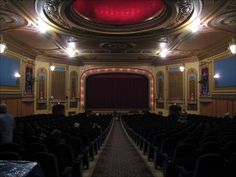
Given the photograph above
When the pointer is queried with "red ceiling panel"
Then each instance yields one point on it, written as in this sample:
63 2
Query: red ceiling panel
118 12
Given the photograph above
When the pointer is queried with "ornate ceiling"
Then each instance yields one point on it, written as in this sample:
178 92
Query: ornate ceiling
122 31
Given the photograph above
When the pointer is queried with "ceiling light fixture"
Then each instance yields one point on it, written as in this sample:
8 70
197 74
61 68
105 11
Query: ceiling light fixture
163 53
194 26
3 45
42 26
71 49
232 46
163 45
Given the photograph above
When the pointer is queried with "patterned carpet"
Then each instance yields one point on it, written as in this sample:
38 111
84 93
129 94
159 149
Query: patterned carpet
119 158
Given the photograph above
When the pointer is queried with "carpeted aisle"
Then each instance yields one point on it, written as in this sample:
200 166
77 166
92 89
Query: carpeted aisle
119 158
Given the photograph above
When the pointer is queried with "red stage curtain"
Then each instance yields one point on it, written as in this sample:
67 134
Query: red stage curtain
117 91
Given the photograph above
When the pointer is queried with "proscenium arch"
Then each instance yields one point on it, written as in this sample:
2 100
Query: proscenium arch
92 71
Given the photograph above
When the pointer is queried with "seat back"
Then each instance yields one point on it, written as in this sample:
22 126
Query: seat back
185 155
8 155
232 165
168 146
64 154
209 165
48 162
208 147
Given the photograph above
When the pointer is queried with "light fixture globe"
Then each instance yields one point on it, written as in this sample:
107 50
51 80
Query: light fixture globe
52 67
232 47
2 47
181 68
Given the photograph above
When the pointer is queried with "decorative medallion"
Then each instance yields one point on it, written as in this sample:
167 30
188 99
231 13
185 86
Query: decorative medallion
50 8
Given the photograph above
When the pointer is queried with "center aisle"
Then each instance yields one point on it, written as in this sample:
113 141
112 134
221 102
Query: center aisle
119 158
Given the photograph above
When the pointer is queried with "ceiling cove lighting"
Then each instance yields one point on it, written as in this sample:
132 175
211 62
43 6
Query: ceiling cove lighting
194 26
122 12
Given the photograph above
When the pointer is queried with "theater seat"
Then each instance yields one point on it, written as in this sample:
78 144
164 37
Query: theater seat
48 162
8 155
209 165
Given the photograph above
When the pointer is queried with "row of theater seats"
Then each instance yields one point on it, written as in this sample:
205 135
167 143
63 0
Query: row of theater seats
199 147
60 148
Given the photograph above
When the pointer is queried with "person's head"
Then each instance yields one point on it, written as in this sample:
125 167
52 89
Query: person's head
56 133
76 125
3 108
227 115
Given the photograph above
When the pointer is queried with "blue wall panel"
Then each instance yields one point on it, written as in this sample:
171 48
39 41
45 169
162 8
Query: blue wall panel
8 67
226 68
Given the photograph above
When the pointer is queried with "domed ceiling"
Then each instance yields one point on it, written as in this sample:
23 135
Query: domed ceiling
118 31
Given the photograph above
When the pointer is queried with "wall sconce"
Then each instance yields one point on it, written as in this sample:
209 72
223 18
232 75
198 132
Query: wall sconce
52 67
216 76
17 75
181 68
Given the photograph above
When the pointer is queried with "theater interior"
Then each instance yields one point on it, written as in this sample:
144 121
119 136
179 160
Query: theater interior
116 60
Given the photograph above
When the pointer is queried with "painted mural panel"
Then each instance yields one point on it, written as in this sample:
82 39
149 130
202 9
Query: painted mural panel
8 68
225 72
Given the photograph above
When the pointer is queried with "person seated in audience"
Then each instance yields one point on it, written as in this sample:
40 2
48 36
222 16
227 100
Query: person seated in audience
57 134
227 115
97 127
76 125
183 116
174 112
40 134
7 124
